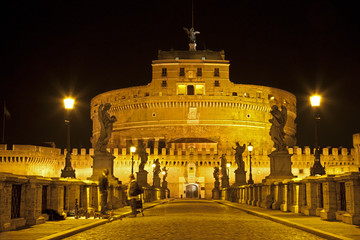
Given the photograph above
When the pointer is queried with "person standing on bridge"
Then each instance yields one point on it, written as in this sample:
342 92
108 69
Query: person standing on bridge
133 194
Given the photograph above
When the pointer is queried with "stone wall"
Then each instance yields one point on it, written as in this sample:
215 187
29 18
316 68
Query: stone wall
331 197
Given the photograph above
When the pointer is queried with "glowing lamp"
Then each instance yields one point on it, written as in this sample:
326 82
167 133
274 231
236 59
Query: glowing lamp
228 165
153 165
69 103
163 172
132 149
315 100
250 147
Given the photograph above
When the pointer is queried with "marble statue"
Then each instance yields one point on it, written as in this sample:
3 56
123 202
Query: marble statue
277 127
106 127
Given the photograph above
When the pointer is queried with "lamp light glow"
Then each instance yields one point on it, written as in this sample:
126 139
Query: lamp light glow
69 103
153 165
132 149
228 165
250 147
315 100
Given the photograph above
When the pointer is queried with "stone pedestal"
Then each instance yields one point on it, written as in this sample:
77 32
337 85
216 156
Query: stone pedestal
216 193
240 177
156 181
225 182
280 166
192 46
142 178
103 160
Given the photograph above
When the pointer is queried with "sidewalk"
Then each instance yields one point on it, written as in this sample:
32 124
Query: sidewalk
312 224
69 226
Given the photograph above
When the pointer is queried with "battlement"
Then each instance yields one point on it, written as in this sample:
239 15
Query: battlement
297 151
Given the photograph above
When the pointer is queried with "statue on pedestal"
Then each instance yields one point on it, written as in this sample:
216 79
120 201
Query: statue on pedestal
157 168
216 173
106 127
143 155
239 150
280 159
191 34
277 128
223 166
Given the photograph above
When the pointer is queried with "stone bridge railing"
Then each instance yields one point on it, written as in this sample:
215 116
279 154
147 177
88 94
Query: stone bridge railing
331 197
25 199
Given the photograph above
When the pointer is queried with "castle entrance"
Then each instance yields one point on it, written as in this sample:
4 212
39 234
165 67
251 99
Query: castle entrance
192 191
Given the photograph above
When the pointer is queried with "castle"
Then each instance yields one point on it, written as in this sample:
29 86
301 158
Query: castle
188 116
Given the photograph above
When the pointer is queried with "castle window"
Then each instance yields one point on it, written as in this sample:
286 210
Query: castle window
199 72
182 72
190 90
271 97
216 72
217 83
247 95
199 89
147 94
234 94
164 72
181 90
258 94
164 83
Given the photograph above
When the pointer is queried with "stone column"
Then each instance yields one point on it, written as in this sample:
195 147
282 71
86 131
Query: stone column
311 188
33 202
329 196
295 206
5 206
277 196
285 206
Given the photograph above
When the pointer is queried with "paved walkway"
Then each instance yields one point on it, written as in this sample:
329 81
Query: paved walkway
70 226
311 224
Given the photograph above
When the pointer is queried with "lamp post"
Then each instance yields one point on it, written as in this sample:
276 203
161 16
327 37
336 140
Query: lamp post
132 150
68 171
317 168
250 148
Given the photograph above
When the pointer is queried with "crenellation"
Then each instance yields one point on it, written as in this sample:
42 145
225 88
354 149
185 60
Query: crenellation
335 151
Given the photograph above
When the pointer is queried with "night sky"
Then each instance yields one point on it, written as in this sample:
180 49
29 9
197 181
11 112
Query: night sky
52 48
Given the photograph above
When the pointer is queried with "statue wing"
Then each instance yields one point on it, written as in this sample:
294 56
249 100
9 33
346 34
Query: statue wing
196 32
186 30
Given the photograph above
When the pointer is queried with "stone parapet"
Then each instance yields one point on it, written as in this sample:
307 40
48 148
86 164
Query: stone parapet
332 197
26 199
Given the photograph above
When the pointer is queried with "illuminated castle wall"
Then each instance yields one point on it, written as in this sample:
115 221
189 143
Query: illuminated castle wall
48 162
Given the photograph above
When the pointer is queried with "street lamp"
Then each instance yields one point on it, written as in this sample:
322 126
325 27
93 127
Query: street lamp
132 150
228 168
317 168
250 148
68 171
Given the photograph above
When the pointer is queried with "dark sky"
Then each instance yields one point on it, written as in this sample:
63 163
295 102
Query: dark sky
51 48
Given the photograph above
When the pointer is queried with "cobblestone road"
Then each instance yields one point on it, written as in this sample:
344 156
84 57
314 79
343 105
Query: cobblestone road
194 219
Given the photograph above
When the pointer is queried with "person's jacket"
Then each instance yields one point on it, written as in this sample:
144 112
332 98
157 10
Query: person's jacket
132 188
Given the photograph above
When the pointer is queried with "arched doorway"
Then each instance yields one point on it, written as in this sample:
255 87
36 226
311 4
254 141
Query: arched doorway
192 191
